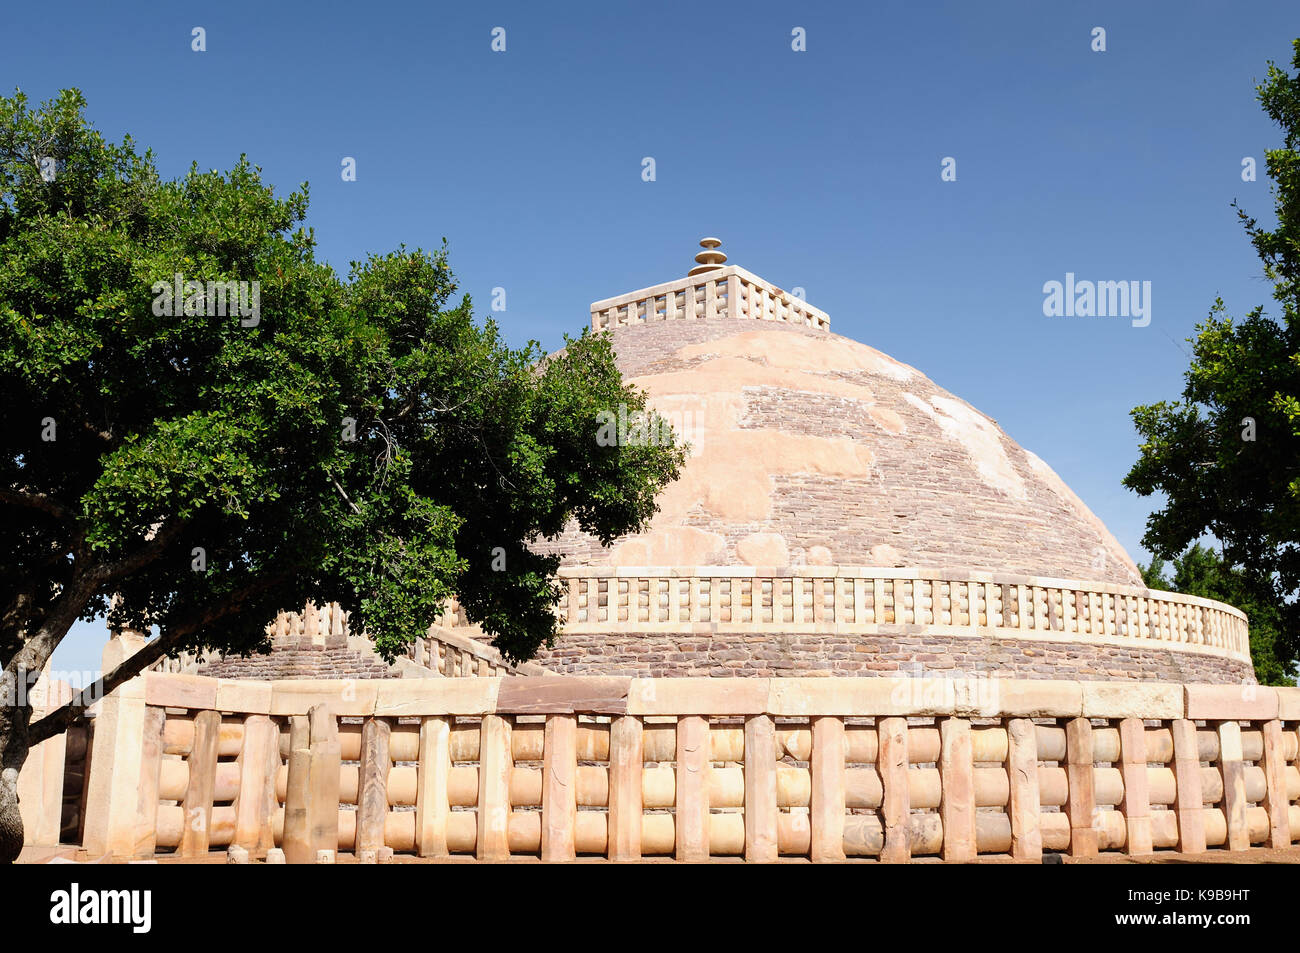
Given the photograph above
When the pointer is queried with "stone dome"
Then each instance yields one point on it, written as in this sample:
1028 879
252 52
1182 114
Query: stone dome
841 514
809 448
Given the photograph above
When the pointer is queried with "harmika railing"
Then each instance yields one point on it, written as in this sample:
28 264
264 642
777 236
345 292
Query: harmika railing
726 292
820 768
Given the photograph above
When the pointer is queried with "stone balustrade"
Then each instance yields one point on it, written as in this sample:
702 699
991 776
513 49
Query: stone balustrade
831 599
818 768
727 292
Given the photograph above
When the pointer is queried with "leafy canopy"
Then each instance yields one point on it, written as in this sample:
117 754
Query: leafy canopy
1227 456
365 440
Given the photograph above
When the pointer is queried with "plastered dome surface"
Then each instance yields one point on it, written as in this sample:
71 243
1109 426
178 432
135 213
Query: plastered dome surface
809 448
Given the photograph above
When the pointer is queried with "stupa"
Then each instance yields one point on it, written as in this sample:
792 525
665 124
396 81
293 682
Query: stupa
839 514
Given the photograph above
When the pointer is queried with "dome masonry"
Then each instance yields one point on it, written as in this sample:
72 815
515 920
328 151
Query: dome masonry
808 448
841 512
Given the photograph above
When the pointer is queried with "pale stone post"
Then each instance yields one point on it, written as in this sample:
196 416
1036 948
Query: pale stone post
1081 805
1136 804
151 752
895 810
296 839
826 813
113 793
760 789
259 762
40 782
1187 776
1276 801
957 791
494 788
626 760
1022 775
1234 784
431 803
202 764
559 787
323 780
372 793
692 817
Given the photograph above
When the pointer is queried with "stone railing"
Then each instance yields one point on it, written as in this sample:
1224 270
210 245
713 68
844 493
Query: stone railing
819 768
450 654
440 651
854 599
726 292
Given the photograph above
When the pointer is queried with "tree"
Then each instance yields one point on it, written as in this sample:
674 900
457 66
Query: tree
1201 571
200 424
1227 456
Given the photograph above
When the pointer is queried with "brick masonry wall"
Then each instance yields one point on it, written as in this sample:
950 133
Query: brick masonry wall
299 657
923 504
725 654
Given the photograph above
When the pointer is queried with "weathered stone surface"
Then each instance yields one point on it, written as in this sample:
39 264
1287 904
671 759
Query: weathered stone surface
244 696
1081 803
1288 703
957 791
677 696
521 696
1023 804
813 438
761 807
180 691
1129 700
452 696
892 762
344 696
1040 699
827 805
1214 702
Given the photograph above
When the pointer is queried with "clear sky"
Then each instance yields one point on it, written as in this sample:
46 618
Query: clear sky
819 168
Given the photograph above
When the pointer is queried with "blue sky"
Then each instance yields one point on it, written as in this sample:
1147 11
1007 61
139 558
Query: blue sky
818 169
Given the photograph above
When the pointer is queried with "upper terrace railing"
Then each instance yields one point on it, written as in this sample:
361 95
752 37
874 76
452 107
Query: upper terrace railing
727 292
849 599
440 651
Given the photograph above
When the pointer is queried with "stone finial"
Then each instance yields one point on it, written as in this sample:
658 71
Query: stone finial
708 260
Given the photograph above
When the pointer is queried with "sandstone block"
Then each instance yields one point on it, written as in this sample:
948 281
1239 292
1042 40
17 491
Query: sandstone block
1288 703
1231 702
1132 700
180 691
243 695
450 696
696 696
345 696
1040 699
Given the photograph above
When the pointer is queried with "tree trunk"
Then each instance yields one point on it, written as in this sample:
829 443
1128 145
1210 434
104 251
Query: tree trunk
14 719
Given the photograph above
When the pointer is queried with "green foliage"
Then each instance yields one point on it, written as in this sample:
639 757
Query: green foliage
1227 455
364 441
1201 571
